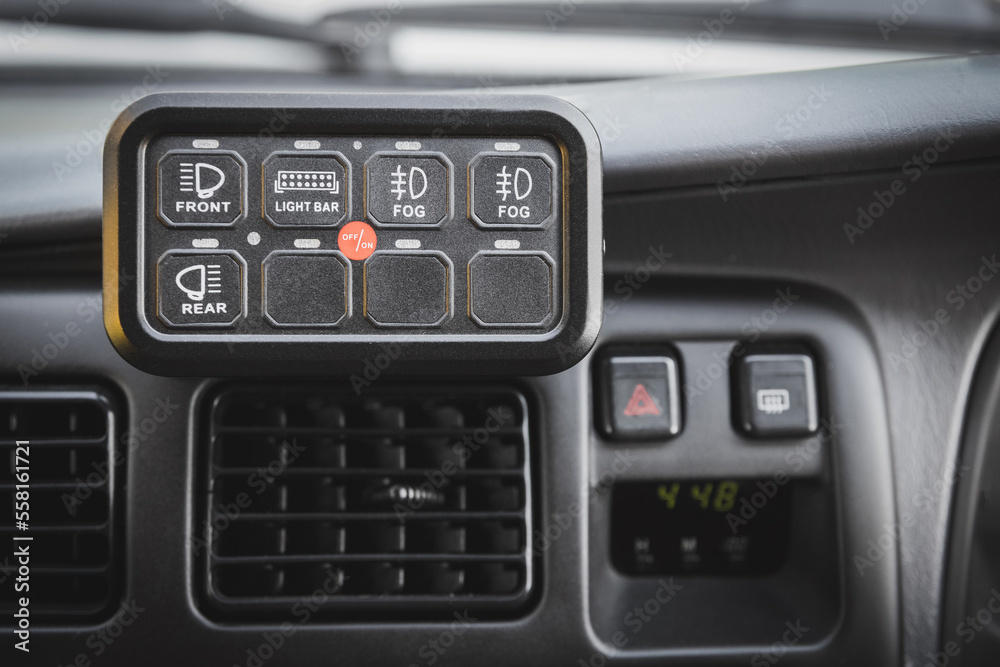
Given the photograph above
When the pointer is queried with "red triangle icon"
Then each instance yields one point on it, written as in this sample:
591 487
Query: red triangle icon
641 403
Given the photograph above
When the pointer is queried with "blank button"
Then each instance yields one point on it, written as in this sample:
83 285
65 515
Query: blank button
306 288
407 288
510 289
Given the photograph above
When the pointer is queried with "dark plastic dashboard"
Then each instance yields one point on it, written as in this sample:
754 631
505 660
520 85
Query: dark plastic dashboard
863 233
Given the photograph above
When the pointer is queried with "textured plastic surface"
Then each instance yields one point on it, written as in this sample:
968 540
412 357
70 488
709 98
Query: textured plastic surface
971 594
483 251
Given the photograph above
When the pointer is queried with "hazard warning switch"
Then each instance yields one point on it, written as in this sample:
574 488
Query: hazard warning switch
641 399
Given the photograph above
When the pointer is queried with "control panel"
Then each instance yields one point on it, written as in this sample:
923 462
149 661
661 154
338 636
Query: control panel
457 242
701 526
735 524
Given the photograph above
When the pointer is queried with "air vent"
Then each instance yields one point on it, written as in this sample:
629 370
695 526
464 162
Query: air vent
404 501
69 529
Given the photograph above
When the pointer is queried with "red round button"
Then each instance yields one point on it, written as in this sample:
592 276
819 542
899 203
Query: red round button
357 240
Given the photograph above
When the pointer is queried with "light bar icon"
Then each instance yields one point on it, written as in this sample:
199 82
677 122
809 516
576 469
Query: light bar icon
309 181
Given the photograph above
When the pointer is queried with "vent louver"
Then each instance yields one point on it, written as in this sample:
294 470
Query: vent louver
400 501
70 460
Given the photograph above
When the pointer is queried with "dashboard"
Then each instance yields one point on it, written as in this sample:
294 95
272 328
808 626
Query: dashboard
725 398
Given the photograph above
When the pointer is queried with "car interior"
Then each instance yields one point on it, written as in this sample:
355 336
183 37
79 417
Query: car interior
467 332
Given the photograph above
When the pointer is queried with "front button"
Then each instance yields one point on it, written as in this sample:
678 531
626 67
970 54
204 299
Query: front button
306 190
777 395
407 288
200 289
306 288
512 190
408 190
200 188
641 398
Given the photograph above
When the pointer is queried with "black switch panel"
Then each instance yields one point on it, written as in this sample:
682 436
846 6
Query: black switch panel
363 221
777 395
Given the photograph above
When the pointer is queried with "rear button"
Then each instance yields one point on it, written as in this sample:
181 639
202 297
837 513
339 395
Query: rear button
196 289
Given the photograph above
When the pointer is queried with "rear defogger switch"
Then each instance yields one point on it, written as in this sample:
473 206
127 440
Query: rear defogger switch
368 221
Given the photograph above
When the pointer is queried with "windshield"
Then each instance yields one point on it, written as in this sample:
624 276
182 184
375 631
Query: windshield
548 40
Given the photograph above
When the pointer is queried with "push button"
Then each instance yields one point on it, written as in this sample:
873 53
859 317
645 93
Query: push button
306 288
512 190
407 289
200 188
407 189
357 240
199 289
510 289
641 397
306 190
777 395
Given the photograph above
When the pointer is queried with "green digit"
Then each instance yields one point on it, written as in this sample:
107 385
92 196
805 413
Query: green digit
725 497
670 496
702 494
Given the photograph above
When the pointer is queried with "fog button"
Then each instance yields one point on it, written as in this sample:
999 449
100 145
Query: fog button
408 190
512 190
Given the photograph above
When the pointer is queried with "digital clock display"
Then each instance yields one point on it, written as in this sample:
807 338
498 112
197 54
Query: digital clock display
706 526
